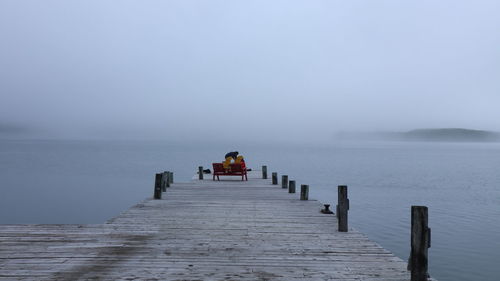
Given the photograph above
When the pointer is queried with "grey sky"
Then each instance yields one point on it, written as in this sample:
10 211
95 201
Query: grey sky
248 69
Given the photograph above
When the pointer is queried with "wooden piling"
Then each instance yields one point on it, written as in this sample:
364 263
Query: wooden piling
420 242
304 192
200 172
164 181
171 177
342 208
264 172
167 178
291 187
275 178
284 181
157 190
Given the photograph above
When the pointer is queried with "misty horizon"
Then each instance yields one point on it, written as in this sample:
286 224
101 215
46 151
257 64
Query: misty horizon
419 134
246 71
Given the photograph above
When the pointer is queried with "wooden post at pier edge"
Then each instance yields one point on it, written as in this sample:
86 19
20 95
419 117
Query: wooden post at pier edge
420 242
171 177
200 172
157 193
164 181
167 178
284 181
275 178
342 208
304 192
264 172
291 187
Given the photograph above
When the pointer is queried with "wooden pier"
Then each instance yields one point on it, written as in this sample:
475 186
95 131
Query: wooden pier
202 230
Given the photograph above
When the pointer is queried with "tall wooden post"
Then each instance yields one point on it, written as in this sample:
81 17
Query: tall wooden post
304 192
164 181
275 177
342 208
200 172
157 193
167 178
284 181
264 172
420 242
171 177
291 187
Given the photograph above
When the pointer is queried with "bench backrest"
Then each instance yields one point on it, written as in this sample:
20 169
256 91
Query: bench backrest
218 167
237 167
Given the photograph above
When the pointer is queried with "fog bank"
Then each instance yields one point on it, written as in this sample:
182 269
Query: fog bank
247 70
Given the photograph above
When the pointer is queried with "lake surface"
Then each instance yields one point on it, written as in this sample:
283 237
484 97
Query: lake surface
92 181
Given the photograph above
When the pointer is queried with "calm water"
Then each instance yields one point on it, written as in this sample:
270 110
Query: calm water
92 181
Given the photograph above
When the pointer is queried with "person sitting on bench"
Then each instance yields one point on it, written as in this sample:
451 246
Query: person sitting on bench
239 159
227 164
233 155
229 157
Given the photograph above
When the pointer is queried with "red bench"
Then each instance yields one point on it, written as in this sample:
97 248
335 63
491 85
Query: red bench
235 170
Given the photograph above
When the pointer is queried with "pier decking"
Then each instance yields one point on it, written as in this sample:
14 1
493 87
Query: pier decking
202 230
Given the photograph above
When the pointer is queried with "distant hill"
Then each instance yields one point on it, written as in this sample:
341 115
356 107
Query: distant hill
12 130
6 128
451 134
444 135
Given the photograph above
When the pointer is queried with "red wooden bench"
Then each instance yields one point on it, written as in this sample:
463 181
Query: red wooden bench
235 170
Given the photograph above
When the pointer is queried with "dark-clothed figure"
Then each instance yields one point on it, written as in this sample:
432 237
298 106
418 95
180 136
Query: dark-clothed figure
233 155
